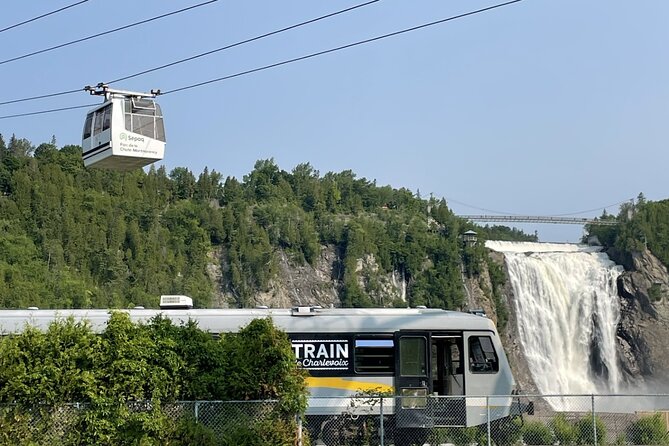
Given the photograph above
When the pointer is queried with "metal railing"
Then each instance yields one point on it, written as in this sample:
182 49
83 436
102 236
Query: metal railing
434 420
540 219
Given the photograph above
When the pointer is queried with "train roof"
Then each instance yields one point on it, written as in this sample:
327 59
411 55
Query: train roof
295 320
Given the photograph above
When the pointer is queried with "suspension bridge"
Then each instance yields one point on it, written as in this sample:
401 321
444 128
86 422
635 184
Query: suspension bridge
539 219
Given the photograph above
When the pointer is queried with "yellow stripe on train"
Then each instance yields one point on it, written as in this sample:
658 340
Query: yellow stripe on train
347 384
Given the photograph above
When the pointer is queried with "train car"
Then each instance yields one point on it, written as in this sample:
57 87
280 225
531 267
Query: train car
435 367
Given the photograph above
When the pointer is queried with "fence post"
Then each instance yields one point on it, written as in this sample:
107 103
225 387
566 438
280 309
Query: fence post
381 427
197 411
299 429
487 408
594 421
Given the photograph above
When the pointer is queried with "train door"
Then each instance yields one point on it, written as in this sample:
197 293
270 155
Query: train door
447 364
412 380
447 375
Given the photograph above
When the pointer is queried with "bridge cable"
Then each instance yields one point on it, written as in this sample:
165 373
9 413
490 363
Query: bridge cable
568 214
590 210
42 16
232 45
479 208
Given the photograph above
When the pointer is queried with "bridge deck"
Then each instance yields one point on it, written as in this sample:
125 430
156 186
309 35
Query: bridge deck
539 219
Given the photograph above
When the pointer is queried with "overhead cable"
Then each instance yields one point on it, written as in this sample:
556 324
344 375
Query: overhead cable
106 32
242 42
42 16
43 96
53 110
285 62
339 48
232 45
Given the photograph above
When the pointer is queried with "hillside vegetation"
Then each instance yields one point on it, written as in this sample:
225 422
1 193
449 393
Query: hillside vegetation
641 224
72 237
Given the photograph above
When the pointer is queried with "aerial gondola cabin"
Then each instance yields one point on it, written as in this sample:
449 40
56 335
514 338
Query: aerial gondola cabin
125 132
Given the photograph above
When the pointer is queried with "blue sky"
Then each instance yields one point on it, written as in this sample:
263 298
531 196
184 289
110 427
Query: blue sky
537 108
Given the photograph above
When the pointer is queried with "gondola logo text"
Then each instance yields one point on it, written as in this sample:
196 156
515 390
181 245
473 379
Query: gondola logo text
130 138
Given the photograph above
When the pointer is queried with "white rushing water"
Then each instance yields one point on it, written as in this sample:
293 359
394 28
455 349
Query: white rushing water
567 312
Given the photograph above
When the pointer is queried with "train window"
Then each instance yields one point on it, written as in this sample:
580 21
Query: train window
374 355
413 356
482 355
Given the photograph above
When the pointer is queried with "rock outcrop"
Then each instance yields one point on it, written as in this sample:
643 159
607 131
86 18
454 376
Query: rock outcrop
643 331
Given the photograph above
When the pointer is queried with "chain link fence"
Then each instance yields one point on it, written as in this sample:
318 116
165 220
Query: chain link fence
400 421
225 423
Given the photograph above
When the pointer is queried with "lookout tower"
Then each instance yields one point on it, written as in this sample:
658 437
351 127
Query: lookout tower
470 237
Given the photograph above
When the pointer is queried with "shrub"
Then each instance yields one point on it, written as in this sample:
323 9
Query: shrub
507 430
263 433
648 430
189 432
585 431
655 292
462 436
536 432
564 432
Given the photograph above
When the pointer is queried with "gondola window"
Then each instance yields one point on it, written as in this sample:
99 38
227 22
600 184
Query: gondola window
144 116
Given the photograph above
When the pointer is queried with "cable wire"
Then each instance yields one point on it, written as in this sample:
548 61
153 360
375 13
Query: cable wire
339 48
232 45
43 96
285 62
105 32
53 110
42 16
242 42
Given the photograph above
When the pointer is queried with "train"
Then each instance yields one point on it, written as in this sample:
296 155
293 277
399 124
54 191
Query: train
432 367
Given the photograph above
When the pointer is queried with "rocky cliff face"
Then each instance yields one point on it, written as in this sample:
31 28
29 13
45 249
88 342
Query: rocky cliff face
643 331
306 285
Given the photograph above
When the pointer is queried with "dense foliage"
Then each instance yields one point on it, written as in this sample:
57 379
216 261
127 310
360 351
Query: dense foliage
641 224
125 377
72 237
75 237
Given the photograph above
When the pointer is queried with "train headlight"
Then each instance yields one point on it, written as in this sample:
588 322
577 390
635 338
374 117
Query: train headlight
414 398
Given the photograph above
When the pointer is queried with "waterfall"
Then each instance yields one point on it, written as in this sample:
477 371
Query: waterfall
567 311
